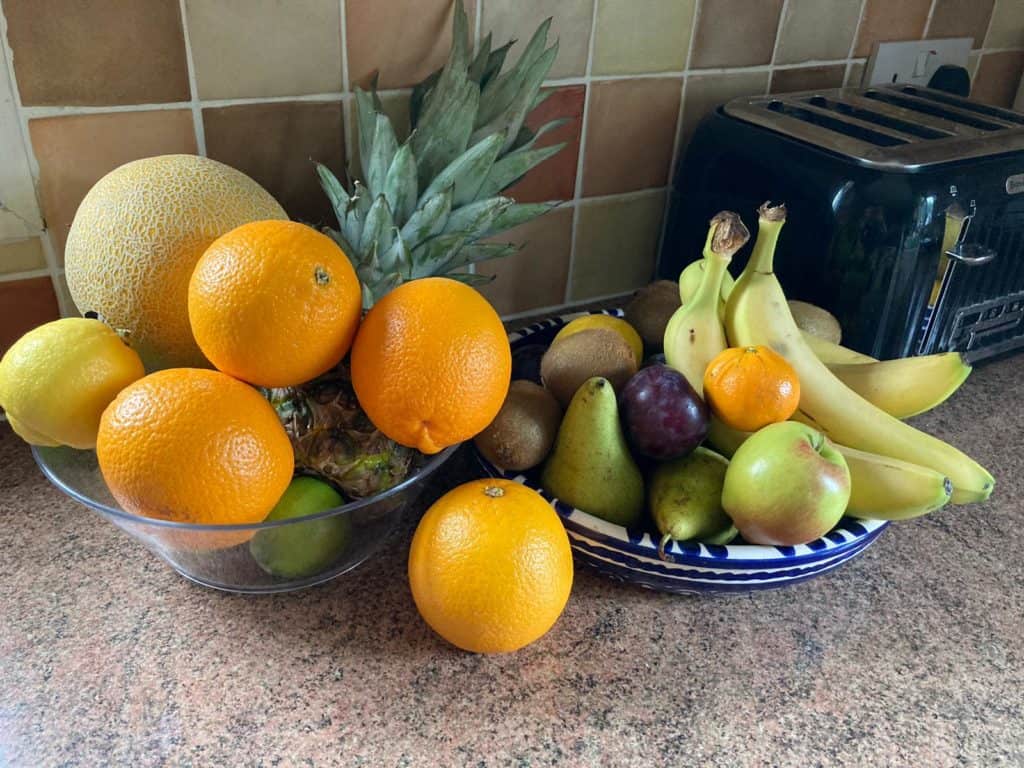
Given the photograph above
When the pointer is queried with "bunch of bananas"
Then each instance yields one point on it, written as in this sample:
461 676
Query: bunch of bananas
897 472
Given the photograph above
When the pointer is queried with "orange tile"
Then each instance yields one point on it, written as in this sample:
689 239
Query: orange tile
807 78
630 134
276 145
536 276
961 18
75 151
405 39
97 52
555 178
735 33
998 77
24 304
888 20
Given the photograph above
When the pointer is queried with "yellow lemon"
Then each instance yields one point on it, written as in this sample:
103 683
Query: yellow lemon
57 379
617 324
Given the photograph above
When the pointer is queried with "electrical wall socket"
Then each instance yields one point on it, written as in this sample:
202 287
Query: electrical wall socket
915 61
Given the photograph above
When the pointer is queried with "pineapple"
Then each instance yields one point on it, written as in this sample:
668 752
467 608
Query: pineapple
420 209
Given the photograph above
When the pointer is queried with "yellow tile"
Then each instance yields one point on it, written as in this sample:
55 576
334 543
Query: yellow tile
616 244
21 256
518 19
1007 27
252 48
632 38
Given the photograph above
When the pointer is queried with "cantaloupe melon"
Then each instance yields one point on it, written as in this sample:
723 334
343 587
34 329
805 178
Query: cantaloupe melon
137 236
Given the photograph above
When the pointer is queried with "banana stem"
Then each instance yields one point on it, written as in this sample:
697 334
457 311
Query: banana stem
769 225
726 235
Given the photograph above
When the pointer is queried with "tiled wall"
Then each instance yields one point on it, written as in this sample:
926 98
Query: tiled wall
265 85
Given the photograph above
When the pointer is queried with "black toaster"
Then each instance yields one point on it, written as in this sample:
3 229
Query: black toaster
906 211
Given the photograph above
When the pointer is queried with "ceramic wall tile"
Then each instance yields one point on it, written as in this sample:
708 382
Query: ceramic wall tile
97 52
807 78
1007 27
518 19
998 77
21 256
735 33
962 18
633 38
24 304
817 30
703 93
555 178
886 20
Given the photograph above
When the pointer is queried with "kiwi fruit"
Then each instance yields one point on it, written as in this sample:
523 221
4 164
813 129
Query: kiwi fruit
521 435
572 360
650 310
816 321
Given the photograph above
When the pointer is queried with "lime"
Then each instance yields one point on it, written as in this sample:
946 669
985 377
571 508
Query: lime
302 549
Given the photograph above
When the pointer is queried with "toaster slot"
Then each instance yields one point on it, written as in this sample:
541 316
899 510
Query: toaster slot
847 127
1002 115
929 108
886 121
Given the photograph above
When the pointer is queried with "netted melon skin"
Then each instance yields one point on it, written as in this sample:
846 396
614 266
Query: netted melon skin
137 236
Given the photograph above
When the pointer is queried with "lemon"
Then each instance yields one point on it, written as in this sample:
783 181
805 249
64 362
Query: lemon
617 324
56 380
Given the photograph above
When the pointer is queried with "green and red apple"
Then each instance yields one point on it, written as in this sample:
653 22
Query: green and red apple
786 485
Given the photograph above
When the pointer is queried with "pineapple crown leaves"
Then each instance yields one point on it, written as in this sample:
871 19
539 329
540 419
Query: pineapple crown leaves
421 207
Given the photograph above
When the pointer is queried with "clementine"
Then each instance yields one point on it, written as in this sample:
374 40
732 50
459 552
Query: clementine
194 446
274 303
751 387
431 363
490 566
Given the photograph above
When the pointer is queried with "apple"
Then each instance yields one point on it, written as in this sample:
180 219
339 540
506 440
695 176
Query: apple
786 485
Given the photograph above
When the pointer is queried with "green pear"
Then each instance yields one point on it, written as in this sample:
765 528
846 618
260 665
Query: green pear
590 466
685 499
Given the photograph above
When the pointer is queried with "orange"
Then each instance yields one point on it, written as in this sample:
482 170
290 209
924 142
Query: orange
751 387
274 303
431 364
490 566
194 446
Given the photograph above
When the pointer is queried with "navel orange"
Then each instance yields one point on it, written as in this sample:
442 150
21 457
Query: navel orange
274 303
194 446
751 387
431 363
490 566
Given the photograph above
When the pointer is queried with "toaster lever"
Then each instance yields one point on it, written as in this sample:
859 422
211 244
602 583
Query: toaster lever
971 254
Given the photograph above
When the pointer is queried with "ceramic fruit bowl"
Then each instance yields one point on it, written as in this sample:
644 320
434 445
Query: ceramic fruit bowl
298 552
631 555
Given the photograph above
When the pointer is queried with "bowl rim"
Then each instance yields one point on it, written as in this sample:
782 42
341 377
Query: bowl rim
682 553
432 464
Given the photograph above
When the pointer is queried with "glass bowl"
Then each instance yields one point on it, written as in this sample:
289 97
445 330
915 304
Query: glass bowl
315 548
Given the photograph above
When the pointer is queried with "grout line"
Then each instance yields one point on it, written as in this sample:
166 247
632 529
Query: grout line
194 104
988 29
928 20
578 189
347 104
778 33
853 44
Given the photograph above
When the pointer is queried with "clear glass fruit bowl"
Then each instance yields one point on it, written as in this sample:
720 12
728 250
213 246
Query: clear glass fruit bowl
304 550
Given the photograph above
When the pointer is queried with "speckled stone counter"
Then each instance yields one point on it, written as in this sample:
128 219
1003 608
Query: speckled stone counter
911 655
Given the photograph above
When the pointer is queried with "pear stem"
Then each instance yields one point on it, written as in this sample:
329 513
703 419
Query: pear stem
662 544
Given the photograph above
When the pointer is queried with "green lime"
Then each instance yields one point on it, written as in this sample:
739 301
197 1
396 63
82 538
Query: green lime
302 549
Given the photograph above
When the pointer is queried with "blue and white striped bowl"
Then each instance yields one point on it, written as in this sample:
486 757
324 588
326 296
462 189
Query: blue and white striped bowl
632 555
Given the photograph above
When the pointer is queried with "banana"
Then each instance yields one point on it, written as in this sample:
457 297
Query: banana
757 313
880 488
830 353
694 334
906 387
827 352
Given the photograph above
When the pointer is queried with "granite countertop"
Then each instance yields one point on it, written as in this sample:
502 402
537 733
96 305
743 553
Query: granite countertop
910 655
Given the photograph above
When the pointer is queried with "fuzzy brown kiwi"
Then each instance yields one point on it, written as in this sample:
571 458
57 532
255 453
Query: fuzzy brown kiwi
650 310
572 360
521 435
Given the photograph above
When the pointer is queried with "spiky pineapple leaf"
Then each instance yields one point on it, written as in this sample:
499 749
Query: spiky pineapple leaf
400 185
397 259
466 173
444 131
478 216
512 117
479 64
419 93
378 228
495 62
539 99
347 248
428 219
513 166
432 256
516 214
335 192
385 145
474 252
367 121
471 278
500 92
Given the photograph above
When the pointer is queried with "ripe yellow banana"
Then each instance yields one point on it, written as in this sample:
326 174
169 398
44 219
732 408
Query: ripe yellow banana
906 387
830 353
757 313
694 334
880 487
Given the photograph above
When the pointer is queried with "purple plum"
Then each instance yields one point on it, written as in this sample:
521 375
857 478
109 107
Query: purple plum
664 418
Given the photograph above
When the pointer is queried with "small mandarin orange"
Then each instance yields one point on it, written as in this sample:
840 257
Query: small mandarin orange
751 387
